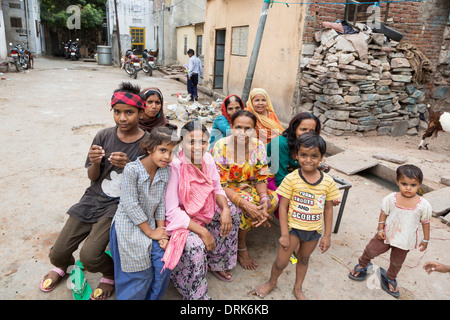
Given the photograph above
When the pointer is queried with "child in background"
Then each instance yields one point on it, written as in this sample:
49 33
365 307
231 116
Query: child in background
91 217
138 236
400 217
306 203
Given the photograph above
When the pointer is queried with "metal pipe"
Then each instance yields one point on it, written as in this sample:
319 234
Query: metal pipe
255 51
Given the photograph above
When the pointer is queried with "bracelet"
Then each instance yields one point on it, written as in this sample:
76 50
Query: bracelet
236 201
381 222
426 241
380 231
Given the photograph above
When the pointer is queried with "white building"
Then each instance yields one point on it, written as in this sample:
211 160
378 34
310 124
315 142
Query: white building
22 24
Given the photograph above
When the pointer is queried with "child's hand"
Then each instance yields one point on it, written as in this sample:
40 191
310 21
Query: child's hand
119 159
325 243
159 233
285 242
423 246
96 154
381 235
163 243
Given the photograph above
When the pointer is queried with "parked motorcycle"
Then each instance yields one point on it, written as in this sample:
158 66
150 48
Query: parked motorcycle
148 63
19 57
74 50
67 49
132 63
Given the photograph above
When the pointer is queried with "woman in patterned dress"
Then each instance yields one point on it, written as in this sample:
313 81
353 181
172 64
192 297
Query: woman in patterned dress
243 168
202 223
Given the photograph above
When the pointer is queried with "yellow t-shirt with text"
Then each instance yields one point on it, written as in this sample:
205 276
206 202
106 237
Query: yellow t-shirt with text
307 201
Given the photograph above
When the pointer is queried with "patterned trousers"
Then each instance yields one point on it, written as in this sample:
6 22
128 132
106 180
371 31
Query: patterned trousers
189 276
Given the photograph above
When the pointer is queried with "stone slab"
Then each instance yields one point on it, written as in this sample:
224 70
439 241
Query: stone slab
387 156
351 163
439 200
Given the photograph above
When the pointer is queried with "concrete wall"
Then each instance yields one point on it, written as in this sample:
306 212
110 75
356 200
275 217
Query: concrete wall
191 32
278 60
3 44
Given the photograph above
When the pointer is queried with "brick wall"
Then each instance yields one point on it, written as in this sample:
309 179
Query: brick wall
421 23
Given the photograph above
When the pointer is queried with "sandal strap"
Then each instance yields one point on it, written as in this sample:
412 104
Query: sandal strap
106 280
59 271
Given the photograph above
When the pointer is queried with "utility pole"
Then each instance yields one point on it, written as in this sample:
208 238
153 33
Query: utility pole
118 30
255 51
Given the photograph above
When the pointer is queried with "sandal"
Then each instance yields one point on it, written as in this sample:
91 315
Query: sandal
102 280
222 277
52 285
385 281
363 272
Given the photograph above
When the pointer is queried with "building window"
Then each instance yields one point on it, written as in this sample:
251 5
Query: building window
185 45
16 22
138 39
199 45
239 41
14 5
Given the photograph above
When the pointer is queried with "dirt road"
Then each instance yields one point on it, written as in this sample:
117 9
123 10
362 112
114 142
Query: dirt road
50 116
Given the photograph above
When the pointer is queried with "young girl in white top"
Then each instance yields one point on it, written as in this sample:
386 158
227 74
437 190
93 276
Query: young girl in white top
401 214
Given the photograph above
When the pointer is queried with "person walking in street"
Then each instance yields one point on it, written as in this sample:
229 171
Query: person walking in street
195 70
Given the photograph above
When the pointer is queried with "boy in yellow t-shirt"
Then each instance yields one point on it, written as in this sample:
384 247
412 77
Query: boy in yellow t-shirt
306 197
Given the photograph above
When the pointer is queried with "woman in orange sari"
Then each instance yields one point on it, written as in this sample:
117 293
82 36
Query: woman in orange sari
268 126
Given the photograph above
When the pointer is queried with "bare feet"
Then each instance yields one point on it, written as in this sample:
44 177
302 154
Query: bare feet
264 289
245 261
298 293
107 286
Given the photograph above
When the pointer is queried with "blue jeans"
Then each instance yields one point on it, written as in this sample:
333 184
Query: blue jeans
148 284
192 86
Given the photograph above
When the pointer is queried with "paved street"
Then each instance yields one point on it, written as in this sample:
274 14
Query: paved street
50 116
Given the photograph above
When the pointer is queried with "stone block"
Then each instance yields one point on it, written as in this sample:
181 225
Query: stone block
399 128
391 157
401 78
352 99
337 114
439 200
349 162
400 63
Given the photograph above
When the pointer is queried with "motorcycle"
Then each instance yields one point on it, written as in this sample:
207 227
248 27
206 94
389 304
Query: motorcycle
74 50
132 63
149 63
19 57
67 49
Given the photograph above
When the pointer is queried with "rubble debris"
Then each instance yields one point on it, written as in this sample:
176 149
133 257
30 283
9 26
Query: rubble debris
361 84
185 110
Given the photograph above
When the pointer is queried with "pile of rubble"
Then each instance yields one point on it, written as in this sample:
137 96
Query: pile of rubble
361 83
185 110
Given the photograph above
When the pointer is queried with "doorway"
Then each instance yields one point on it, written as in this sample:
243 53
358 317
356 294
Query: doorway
219 59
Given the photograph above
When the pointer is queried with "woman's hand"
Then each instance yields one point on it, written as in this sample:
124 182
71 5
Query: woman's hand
225 222
207 239
257 213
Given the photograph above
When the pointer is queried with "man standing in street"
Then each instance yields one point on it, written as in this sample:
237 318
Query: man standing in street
195 70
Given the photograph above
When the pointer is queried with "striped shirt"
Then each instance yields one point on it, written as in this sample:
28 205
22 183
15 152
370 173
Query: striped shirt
307 201
141 201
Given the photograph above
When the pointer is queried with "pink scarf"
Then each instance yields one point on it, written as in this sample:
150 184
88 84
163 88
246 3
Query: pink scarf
196 192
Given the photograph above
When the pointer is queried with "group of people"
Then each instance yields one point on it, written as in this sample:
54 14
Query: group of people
173 205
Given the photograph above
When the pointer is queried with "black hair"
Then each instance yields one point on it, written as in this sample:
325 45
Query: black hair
236 98
129 87
410 171
166 134
290 132
244 113
190 51
192 126
311 140
152 92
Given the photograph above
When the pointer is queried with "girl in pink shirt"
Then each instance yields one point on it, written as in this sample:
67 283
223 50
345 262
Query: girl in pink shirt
202 222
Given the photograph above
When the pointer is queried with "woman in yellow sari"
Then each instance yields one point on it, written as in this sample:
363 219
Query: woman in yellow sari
267 126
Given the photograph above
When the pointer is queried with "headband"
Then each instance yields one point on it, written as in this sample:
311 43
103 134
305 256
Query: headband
127 98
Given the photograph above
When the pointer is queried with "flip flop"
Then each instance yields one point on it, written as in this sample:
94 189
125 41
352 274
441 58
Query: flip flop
221 277
384 280
363 272
102 280
53 285
81 290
